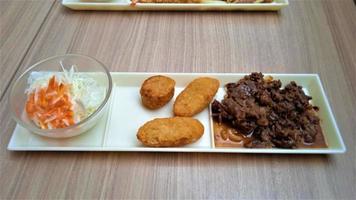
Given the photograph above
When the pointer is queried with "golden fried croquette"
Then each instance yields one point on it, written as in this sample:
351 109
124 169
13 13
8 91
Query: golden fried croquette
157 91
195 97
170 132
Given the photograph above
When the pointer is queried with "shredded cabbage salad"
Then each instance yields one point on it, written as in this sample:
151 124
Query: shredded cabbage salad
84 95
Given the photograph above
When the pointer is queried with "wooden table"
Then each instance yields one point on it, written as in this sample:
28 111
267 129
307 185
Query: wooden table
309 36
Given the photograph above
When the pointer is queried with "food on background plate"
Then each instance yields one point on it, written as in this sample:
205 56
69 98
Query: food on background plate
61 99
167 1
157 91
170 132
257 113
195 97
200 1
249 1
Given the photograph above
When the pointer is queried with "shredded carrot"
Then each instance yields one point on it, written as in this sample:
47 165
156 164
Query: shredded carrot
50 107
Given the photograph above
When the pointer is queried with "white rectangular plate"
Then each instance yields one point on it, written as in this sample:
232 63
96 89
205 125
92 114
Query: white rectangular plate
117 130
205 6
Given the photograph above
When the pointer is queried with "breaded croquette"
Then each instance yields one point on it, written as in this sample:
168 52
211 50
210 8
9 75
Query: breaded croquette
195 97
170 132
157 91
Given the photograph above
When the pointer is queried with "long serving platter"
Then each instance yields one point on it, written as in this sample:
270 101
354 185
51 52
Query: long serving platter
117 129
207 5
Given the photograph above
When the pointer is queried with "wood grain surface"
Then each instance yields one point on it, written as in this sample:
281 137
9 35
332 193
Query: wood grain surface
309 36
19 23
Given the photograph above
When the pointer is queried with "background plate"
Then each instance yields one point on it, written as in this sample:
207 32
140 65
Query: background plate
206 6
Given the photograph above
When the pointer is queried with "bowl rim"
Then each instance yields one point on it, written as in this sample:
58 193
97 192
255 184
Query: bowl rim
88 118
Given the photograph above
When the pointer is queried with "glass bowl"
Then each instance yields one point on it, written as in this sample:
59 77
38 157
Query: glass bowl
84 65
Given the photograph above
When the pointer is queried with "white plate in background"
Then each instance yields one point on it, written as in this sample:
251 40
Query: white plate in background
216 5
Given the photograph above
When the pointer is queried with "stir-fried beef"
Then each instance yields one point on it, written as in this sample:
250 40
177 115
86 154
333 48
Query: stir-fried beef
273 117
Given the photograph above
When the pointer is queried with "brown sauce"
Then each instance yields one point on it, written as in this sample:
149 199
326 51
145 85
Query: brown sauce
223 133
227 136
318 143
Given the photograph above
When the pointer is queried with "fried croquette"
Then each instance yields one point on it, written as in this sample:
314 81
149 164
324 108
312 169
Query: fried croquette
170 132
157 91
195 97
